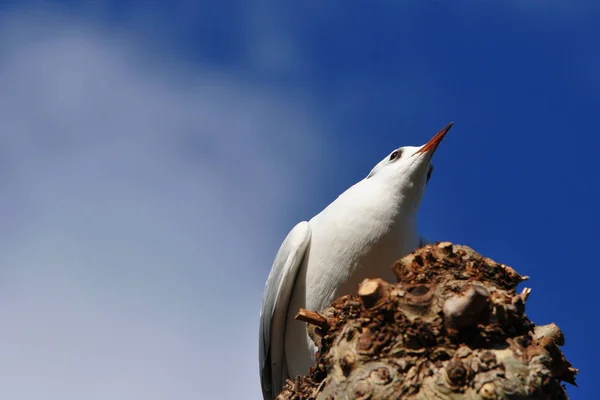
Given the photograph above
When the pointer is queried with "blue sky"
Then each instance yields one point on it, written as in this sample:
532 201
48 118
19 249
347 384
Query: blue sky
153 155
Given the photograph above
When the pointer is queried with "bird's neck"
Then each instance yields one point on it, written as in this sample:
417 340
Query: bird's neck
388 200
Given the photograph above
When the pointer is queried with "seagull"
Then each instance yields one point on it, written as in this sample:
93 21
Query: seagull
358 236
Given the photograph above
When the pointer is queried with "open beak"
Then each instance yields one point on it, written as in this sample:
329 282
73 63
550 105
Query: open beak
435 141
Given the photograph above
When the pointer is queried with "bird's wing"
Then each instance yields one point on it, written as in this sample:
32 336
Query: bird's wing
278 291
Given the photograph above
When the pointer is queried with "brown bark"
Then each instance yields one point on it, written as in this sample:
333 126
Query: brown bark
453 327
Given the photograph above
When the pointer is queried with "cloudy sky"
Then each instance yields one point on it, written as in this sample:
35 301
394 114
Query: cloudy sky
154 155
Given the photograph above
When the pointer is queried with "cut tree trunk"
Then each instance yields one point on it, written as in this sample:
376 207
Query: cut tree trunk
453 327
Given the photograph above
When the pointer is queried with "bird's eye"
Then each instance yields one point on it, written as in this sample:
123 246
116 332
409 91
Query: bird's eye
396 154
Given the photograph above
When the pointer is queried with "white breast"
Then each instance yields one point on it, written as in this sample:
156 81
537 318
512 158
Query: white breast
352 239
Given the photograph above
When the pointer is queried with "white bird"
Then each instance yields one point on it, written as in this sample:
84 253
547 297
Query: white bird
358 236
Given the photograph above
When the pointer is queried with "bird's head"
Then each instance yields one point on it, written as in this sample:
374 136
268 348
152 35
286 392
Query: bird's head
408 169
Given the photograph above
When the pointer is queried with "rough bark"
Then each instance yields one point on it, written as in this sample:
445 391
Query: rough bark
453 327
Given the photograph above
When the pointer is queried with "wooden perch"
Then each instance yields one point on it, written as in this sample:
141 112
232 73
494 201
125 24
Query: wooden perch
453 327
312 318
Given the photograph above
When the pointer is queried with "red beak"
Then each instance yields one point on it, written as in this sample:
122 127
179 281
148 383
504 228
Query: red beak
436 140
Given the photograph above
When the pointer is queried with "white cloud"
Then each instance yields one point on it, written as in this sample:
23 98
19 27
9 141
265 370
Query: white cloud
141 206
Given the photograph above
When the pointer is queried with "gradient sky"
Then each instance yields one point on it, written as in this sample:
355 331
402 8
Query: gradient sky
153 155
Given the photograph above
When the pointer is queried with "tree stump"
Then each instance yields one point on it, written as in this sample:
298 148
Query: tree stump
453 327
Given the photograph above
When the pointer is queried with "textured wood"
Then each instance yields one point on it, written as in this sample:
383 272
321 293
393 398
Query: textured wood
452 327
